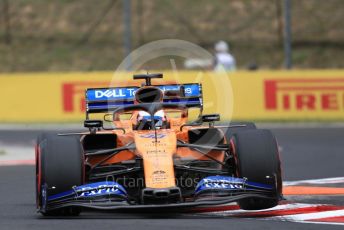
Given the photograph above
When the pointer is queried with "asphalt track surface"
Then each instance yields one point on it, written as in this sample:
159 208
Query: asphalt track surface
307 153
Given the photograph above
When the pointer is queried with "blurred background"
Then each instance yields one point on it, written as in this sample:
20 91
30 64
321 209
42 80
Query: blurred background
88 35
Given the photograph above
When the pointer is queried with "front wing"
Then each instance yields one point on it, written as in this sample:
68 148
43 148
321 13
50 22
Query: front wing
107 195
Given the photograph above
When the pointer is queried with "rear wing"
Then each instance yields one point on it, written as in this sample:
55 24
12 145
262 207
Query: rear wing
100 100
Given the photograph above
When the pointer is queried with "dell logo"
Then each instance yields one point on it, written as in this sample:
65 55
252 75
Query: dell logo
109 93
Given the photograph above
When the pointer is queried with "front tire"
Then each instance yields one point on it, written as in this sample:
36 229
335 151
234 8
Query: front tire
60 166
256 156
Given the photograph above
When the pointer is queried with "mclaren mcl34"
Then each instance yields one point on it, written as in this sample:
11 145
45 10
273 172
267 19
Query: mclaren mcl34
152 157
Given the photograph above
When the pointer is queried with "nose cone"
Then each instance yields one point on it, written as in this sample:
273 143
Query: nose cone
157 151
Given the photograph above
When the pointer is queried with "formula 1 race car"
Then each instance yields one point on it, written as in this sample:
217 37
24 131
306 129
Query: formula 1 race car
152 157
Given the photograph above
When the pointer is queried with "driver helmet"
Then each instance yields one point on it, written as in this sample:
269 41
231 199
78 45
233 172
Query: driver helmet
159 117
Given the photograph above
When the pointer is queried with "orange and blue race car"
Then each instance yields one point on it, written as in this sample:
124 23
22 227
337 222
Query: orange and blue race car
151 157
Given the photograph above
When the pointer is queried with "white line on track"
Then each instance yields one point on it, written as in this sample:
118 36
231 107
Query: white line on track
316 222
309 216
16 155
277 208
17 162
333 180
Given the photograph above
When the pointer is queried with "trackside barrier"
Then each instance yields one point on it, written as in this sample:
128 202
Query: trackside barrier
262 95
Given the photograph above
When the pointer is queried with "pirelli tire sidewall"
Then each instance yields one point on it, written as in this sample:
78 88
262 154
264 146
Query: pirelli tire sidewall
256 157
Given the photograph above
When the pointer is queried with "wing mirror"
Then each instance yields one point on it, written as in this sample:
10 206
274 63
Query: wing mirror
93 124
211 117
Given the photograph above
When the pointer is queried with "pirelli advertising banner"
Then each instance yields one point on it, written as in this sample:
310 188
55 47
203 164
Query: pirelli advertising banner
259 96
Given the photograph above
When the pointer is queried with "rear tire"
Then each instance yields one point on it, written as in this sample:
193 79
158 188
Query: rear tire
256 156
59 164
